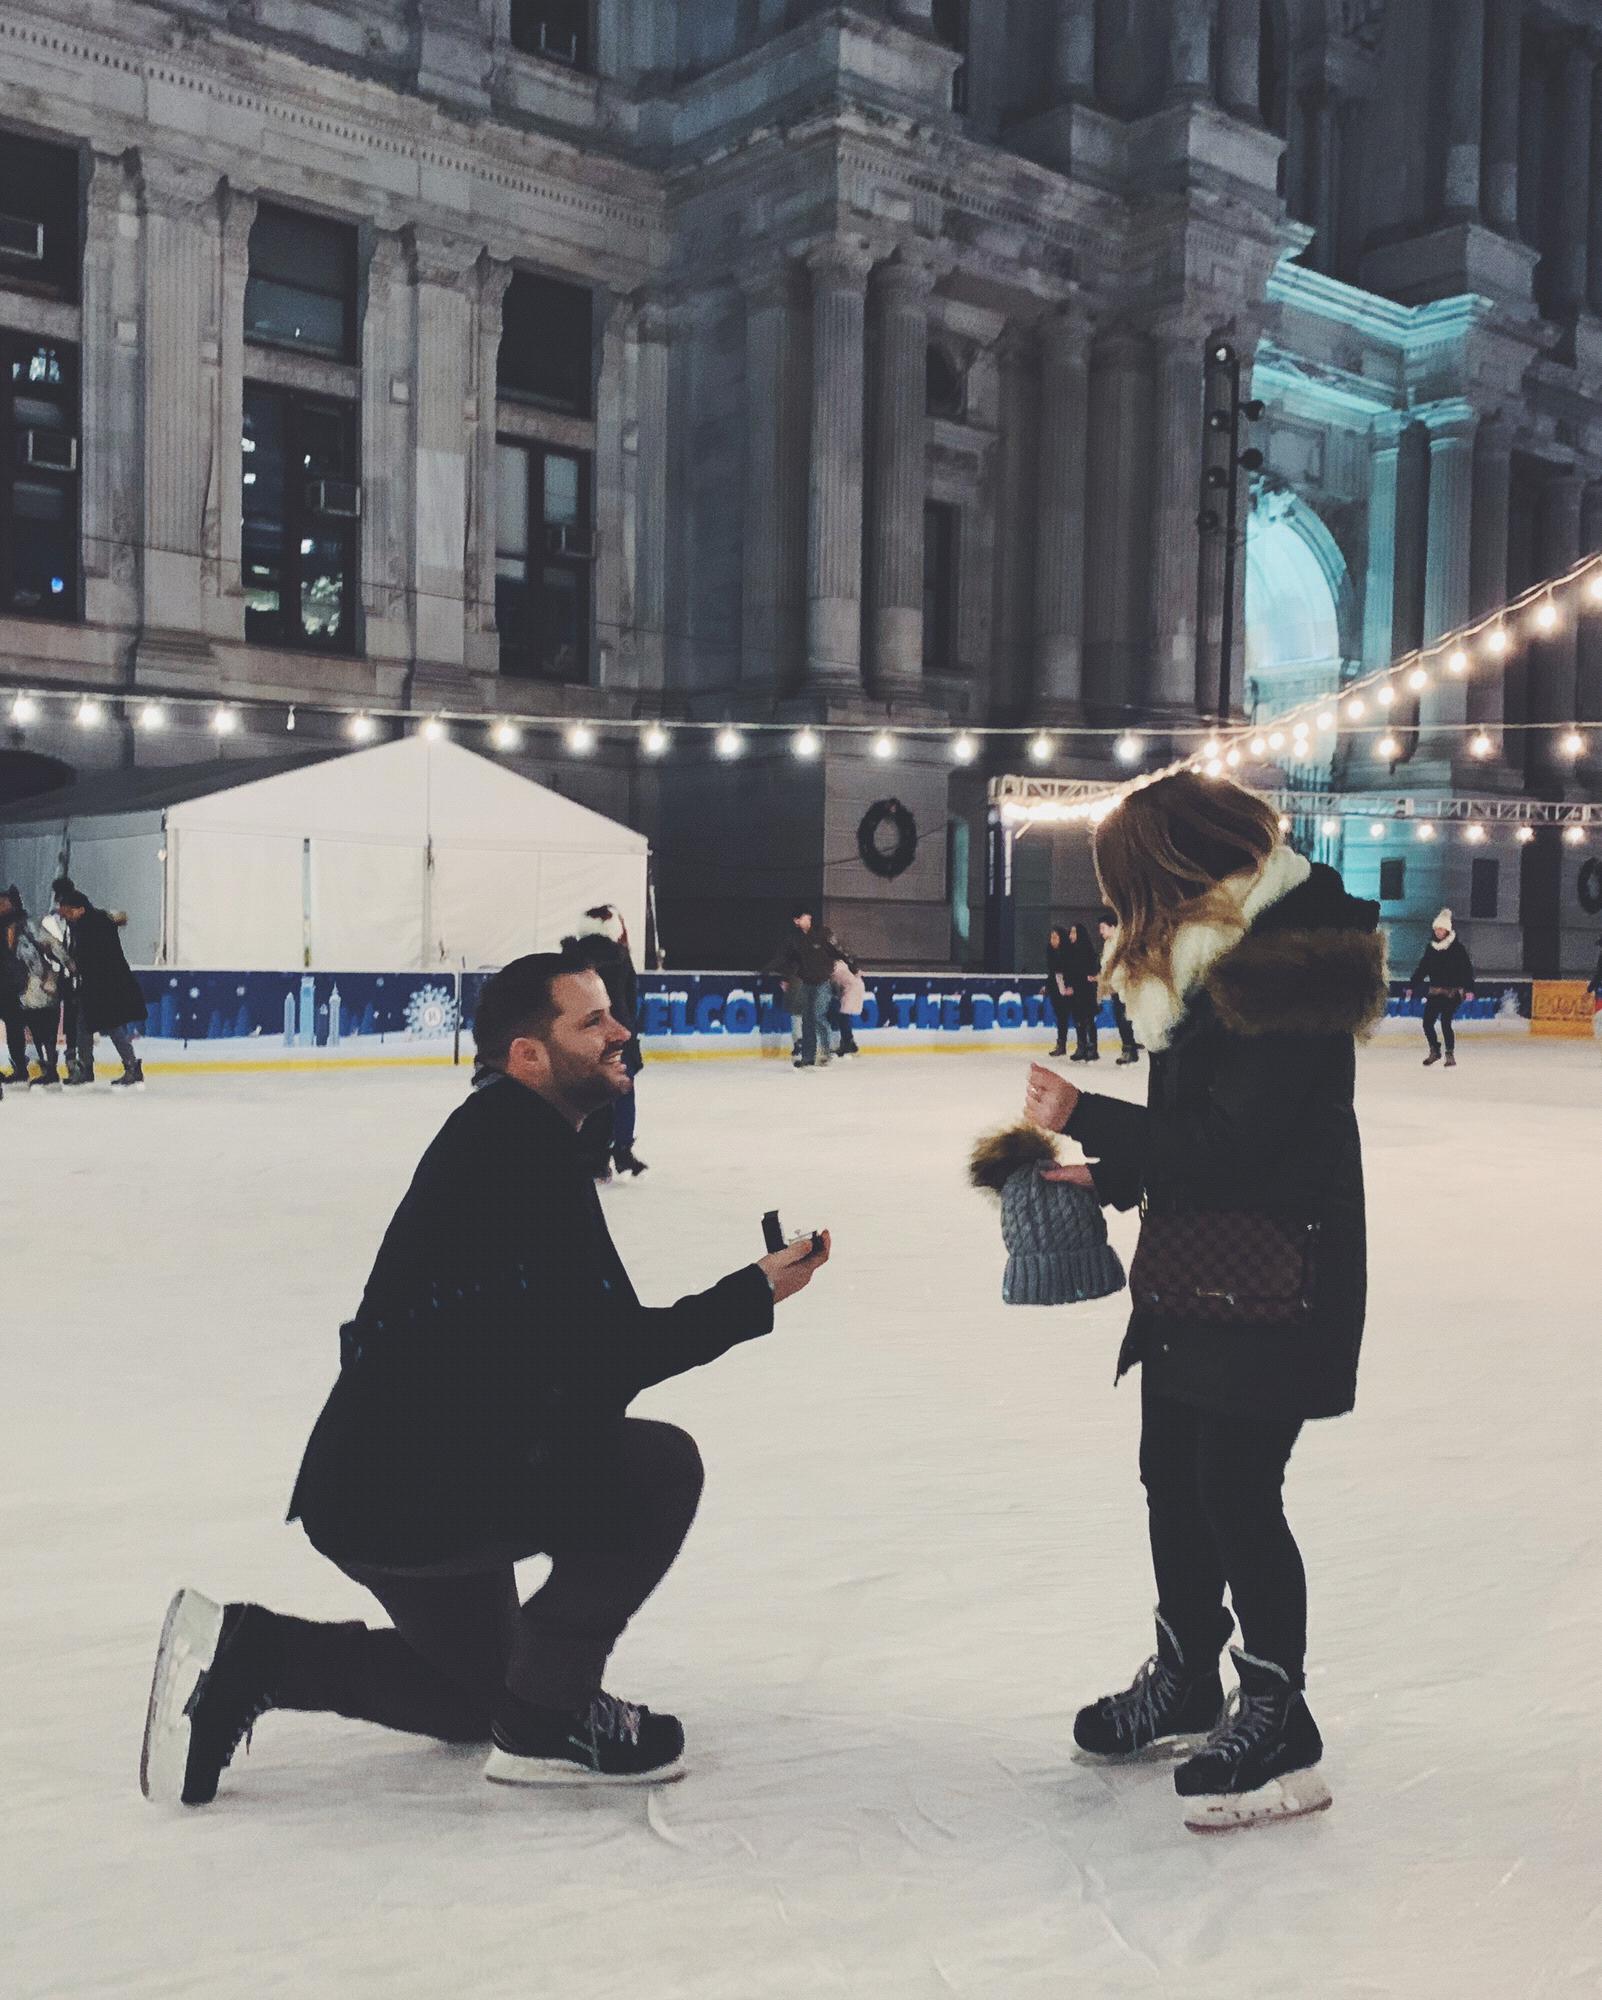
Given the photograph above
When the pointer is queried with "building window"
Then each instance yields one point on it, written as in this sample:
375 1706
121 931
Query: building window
945 389
949 21
301 291
1393 879
940 536
38 477
547 344
543 555
302 514
1485 889
40 235
556 29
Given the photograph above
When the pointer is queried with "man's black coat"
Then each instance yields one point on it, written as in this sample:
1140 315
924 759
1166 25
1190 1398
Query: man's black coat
497 1345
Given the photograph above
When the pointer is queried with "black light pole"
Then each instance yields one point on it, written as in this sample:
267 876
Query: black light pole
1227 414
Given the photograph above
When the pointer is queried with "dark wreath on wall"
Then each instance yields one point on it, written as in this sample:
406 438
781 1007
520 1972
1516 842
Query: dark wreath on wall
1591 887
887 839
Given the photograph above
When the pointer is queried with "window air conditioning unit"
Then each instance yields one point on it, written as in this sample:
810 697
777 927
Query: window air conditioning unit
51 451
569 540
341 499
21 239
557 47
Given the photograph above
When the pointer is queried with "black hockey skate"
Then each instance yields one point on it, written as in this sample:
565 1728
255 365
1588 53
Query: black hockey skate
1261 1762
1168 1709
611 1742
215 1667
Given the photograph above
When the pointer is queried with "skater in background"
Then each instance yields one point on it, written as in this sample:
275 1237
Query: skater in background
851 996
608 1134
805 961
11 984
1059 988
479 1418
1129 1048
55 926
1448 976
40 971
109 1001
1084 992
1247 974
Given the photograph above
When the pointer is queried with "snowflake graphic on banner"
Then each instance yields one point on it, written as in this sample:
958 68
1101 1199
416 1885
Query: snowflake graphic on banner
431 1010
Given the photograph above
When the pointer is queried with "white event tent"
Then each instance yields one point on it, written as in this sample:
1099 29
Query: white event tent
414 853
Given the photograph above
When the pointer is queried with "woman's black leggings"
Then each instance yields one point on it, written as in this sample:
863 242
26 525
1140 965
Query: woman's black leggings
1062 1012
1217 1518
1442 1011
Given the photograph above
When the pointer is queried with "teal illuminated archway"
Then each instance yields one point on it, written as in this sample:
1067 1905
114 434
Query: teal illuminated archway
1300 609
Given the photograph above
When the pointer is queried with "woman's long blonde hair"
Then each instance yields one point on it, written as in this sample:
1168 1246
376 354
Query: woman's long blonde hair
1161 854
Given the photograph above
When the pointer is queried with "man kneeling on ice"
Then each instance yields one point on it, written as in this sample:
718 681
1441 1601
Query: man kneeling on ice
478 1418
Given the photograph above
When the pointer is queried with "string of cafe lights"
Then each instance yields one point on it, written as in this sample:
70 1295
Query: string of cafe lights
1364 708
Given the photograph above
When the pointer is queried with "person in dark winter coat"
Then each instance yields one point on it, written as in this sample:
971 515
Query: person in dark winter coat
805 961
1059 986
1084 992
480 1417
37 969
1446 972
608 1134
11 984
1129 1048
109 1001
1248 974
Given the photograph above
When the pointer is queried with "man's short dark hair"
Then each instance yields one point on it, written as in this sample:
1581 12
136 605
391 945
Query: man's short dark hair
799 910
516 1001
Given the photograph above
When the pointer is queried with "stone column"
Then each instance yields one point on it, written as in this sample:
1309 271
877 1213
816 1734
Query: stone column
773 536
180 219
1178 450
1412 538
611 494
238 217
443 270
652 331
1448 566
1577 72
1060 512
1593 289
1493 468
1499 153
1005 675
109 474
1073 52
839 273
1190 48
494 275
1118 529
1240 26
900 451
1588 691
1318 109
1379 590
1465 59
1553 659
387 450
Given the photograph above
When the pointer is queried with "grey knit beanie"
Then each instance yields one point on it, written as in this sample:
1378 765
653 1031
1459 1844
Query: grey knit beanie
1058 1253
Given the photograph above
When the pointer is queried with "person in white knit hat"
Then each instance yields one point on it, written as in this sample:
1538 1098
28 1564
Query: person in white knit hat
1446 973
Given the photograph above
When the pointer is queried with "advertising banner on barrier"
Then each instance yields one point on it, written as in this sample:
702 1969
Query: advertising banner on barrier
279 1019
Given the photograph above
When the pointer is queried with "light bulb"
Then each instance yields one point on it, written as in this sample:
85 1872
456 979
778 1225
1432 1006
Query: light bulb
1129 748
89 715
506 736
1356 709
1525 835
1481 745
728 742
1284 824
1326 719
1210 747
964 749
1232 759
24 708
1388 749
654 741
1573 745
152 716
1386 696
580 739
1214 767
1497 641
1546 617
289 719
1040 748
1457 661
805 743
1277 740
361 727
225 721
1418 680
1376 830
1575 836
884 745
1259 746
1475 836
1329 828
1425 831
1594 587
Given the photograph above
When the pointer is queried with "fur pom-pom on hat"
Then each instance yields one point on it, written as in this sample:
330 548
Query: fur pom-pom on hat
999 1155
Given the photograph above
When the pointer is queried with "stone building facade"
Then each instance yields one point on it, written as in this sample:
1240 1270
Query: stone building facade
769 362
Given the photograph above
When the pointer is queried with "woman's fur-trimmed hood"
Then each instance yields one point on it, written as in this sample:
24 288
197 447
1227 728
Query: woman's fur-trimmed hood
1311 962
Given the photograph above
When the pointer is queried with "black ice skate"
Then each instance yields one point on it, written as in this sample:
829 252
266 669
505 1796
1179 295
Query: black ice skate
132 1078
1432 1058
1168 1709
1261 1762
627 1161
1451 1062
215 1666
79 1073
1128 1056
611 1742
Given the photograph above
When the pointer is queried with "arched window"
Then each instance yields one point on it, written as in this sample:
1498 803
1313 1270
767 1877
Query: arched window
945 387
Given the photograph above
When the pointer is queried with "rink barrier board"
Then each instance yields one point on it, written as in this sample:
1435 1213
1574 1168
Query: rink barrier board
297 1020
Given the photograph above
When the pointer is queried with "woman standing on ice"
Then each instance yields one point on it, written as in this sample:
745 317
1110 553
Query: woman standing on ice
1059 987
1445 969
1247 973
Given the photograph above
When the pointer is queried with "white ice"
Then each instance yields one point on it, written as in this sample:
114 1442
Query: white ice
922 1546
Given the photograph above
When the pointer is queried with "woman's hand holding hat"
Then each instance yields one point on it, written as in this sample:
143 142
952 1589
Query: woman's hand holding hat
1049 1099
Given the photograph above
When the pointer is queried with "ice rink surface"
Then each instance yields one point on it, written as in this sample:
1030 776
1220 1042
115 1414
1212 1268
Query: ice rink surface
922 1546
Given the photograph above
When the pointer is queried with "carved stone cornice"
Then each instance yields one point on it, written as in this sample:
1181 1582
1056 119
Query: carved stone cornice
177 189
441 257
839 264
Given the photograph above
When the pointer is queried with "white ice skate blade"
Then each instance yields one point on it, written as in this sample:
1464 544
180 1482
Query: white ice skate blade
502 1768
1166 1750
1294 1796
187 1648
